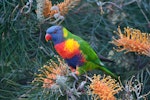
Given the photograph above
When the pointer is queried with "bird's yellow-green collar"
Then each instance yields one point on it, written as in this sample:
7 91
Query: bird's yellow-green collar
65 32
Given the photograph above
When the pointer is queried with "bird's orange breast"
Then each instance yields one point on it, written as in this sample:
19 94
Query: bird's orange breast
68 48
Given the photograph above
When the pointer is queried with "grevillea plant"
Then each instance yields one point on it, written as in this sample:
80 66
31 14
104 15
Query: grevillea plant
104 87
132 40
30 71
46 10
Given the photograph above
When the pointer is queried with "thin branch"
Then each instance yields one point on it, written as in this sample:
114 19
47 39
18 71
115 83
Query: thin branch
143 13
114 4
130 2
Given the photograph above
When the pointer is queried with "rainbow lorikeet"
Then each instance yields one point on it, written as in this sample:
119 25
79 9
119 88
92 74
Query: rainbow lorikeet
77 53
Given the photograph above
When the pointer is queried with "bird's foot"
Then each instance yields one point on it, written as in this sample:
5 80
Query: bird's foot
72 69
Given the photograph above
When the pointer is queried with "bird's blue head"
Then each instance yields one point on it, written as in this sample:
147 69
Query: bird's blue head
54 33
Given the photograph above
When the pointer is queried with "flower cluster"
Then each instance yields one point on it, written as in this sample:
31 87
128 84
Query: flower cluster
104 87
133 40
49 73
64 7
45 9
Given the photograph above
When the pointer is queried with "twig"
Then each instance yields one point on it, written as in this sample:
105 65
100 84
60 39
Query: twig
130 2
27 6
148 71
114 4
143 13
88 78
42 48
25 94
12 14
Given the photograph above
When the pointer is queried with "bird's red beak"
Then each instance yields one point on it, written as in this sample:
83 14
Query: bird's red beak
48 37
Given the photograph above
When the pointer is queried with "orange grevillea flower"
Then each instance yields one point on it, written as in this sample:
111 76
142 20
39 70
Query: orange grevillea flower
133 40
63 7
104 87
47 9
50 72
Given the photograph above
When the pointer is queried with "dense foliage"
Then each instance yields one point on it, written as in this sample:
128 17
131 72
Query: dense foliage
23 49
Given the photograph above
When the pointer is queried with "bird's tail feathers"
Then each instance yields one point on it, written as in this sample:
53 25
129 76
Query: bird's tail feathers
104 69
